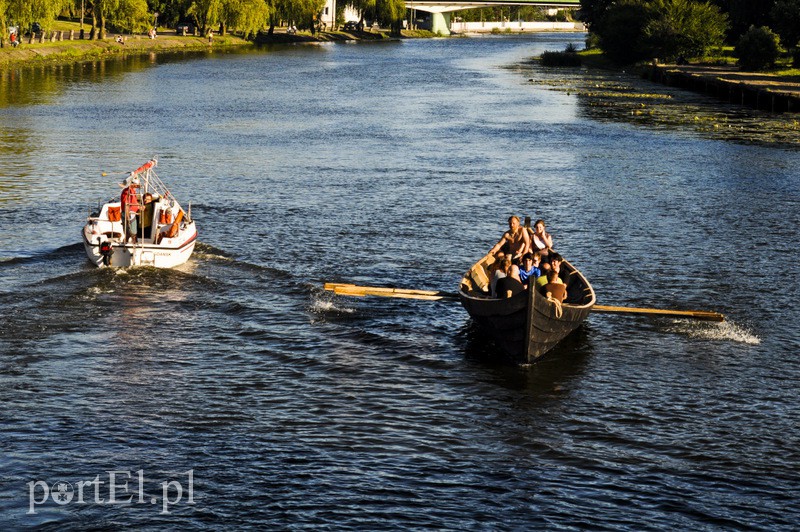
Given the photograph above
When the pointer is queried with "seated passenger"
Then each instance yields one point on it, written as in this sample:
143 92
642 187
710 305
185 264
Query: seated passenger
530 267
555 264
541 240
497 272
514 243
510 285
555 287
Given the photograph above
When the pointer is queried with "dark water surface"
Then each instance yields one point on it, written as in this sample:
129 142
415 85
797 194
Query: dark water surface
391 163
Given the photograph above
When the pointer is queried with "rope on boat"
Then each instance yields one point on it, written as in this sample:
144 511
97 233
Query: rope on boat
557 304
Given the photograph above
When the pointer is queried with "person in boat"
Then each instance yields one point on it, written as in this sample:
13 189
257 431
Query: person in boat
541 240
510 285
147 214
555 287
555 266
530 267
514 243
496 272
130 208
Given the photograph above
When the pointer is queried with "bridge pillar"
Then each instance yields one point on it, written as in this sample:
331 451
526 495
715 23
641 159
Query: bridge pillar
440 23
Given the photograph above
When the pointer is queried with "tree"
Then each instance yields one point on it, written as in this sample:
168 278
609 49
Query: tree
745 13
786 21
130 16
391 12
593 12
684 28
620 30
206 14
247 16
362 7
757 49
24 13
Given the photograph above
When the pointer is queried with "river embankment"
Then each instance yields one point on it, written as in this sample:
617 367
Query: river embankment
766 91
759 90
66 51
55 51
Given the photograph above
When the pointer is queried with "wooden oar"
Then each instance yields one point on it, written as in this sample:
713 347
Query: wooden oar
696 314
345 289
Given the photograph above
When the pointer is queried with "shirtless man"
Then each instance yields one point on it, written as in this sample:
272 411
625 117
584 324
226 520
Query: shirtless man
514 243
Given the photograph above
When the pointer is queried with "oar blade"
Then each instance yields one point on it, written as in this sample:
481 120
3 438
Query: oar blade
346 289
694 314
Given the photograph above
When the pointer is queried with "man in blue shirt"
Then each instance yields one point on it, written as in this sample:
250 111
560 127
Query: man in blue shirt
530 267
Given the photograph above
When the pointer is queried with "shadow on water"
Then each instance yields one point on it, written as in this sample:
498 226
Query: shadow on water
565 362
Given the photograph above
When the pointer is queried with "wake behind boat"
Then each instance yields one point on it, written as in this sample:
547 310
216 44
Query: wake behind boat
529 324
146 226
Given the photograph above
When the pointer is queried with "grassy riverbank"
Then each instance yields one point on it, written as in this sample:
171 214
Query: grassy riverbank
83 50
66 51
783 80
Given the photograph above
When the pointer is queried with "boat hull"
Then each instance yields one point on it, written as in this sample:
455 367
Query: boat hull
157 256
526 328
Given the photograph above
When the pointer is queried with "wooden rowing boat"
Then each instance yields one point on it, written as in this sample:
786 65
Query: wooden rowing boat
527 325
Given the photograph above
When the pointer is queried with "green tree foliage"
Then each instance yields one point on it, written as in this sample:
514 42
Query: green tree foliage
741 13
205 13
634 30
786 21
684 28
170 12
247 16
524 13
391 12
758 49
745 13
362 7
130 16
24 13
620 31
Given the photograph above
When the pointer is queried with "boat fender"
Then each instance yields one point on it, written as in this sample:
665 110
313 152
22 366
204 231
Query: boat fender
106 251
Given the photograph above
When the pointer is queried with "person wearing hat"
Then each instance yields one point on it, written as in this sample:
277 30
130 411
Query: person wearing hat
130 206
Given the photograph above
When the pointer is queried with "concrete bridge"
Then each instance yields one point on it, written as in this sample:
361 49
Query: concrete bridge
440 9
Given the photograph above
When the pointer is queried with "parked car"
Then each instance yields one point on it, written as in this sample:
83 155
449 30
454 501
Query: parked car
350 25
35 28
184 28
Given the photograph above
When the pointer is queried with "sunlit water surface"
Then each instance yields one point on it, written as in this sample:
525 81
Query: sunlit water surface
391 164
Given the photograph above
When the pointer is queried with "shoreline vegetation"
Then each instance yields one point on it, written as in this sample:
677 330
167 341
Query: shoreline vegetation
72 51
777 91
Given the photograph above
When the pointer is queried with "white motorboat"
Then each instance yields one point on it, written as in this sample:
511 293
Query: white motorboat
165 233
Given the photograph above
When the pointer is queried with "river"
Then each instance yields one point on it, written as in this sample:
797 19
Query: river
272 404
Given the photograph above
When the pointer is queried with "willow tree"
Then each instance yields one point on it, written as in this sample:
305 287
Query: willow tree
131 16
101 10
391 12
247 16
25 12
362 7
299 12
206 14
3 22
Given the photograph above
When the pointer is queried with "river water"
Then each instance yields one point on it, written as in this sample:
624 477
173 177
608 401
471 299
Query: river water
391 164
